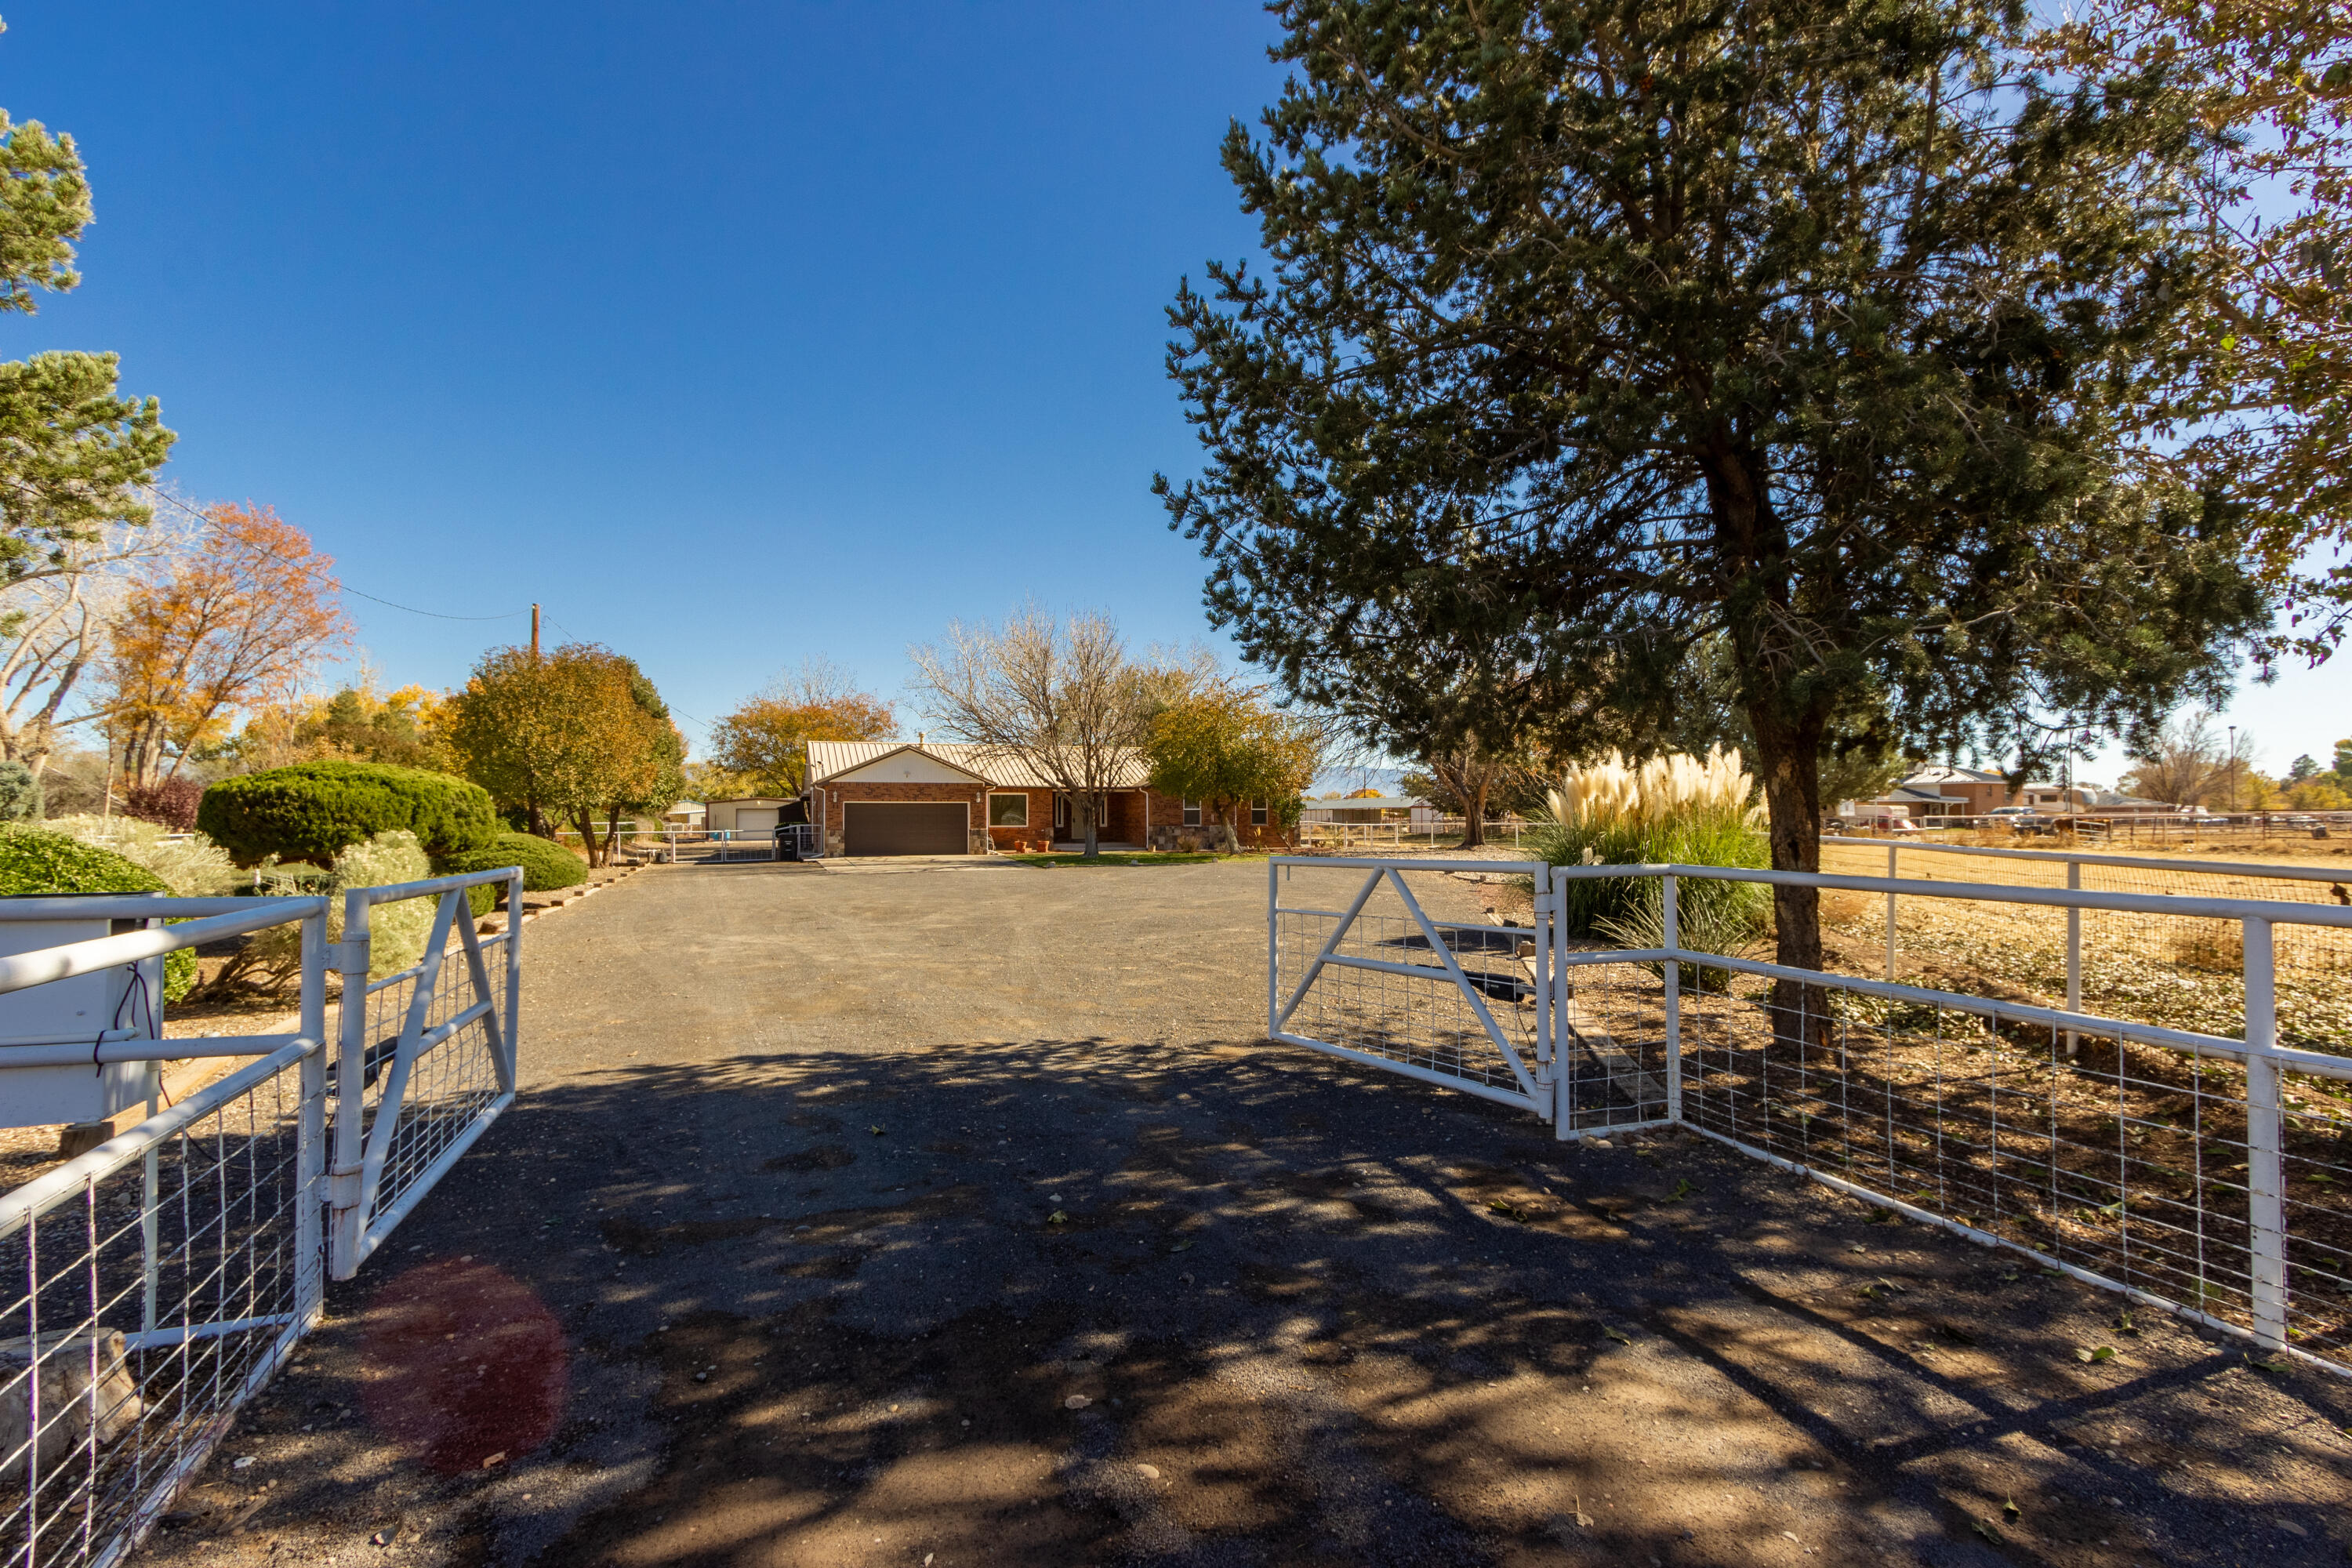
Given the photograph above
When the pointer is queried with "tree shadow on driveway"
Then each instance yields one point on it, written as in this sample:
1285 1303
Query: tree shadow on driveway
1090 1301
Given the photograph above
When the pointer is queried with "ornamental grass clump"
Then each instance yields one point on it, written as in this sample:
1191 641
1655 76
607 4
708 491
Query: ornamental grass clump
1674 809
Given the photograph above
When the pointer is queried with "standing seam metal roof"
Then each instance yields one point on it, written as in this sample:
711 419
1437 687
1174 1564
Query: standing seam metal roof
1007 770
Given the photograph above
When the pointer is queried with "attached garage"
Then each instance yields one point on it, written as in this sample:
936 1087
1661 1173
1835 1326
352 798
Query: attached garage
906 827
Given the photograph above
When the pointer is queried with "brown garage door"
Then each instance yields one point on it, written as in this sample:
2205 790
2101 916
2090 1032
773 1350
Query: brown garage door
910 829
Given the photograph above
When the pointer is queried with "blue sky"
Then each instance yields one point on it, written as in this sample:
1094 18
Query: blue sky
731 333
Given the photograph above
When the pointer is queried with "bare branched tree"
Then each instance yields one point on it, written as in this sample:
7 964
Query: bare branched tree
2187 766
55 614
1064 695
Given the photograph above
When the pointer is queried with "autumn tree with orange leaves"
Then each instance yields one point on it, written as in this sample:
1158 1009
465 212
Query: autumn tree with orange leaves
239 620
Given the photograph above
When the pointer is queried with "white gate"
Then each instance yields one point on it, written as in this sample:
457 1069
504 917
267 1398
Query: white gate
425 1059
1504 1011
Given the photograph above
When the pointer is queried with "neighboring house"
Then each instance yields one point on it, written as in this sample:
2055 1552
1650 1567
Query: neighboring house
937 797
1901 803
1965 792
688 814
746 815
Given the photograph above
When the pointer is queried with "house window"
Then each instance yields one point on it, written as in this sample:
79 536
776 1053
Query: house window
1008 810
1191 814
1258 814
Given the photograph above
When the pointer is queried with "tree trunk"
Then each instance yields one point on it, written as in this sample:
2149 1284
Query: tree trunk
589 843
1789 755
1087 821
1474 807
1233 830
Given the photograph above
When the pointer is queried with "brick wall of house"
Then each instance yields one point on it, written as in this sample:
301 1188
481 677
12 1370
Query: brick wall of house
837 795
1040 829
1168 831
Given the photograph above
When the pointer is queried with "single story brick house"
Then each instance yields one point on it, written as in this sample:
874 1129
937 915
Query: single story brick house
933 797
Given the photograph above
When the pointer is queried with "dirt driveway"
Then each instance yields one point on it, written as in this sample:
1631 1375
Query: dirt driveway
955 1216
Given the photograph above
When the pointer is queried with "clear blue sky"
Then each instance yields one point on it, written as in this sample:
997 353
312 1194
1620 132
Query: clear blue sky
730 333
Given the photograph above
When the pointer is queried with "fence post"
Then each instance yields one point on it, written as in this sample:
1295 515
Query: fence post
351 1090
2265 1164
1674 935
1272 945
1892 871
514 973
2073 956
1545 1049
1563 1078
309 1228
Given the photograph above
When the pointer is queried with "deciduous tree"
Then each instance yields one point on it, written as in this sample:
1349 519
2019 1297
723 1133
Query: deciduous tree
1063 695
567 734
1221 744
2265 398
1594 330
241 619
762 745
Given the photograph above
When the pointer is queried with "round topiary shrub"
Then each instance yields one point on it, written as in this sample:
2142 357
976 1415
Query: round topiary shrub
35 860
314 811
546 866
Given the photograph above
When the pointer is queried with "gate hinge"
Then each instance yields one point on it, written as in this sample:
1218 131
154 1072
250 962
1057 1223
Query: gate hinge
351 954
344 1186
1547 903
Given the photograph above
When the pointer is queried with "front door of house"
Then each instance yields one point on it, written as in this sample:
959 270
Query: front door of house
1061 817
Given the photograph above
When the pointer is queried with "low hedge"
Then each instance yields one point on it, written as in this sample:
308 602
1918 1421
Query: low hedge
546 865
35 860
314 811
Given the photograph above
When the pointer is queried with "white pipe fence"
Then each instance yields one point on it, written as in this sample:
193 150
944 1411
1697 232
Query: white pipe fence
2201 1172
162 1278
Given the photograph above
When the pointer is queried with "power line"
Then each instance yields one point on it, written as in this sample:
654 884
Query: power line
342 586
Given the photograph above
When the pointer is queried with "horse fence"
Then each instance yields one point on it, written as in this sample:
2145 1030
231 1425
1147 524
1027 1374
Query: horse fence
2202 1171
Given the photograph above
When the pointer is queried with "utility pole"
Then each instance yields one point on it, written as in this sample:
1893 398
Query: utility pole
2234 767
534 634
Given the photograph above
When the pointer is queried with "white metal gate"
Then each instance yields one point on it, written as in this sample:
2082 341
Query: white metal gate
157 1282
1506 1012
425 1059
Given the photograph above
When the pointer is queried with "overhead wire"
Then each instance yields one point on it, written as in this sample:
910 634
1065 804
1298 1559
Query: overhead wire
342 586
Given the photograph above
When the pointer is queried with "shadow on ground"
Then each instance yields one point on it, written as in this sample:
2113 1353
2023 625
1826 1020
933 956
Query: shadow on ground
1089 1302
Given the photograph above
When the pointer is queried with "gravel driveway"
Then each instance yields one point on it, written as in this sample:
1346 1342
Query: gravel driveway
961 1216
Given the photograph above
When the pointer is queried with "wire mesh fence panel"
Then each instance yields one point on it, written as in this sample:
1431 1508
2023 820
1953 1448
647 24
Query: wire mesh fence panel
1358 966
2126 1159
1613 1060
2180 971
153 1285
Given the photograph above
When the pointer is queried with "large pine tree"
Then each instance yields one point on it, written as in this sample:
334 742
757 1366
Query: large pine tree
1597 333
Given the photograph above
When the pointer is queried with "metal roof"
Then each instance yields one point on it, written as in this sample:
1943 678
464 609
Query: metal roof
1006 770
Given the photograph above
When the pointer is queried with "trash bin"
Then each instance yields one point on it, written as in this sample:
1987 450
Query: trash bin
788 841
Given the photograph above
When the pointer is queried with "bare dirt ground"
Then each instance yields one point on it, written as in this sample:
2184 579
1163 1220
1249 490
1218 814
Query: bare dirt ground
962 1215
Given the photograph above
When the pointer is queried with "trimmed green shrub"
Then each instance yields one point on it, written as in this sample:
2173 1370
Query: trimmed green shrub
546 866
314 811
35 860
